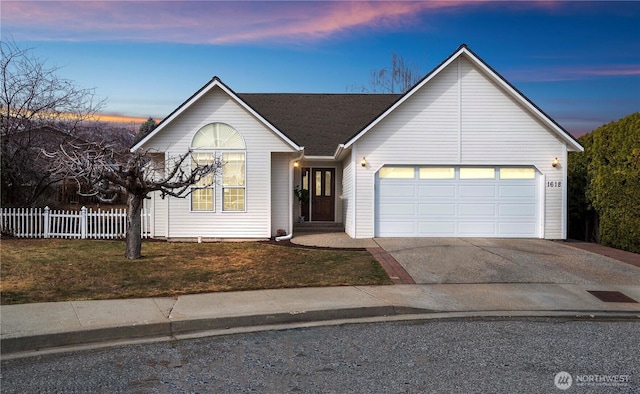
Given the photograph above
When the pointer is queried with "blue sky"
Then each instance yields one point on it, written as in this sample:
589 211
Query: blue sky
578 61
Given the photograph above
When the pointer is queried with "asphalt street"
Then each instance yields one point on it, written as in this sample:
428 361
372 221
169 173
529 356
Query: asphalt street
444 356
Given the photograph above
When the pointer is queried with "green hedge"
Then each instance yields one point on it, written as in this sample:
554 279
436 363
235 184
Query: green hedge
605 178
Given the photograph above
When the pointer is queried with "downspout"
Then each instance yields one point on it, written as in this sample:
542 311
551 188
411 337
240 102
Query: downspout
565 208
285 237
354 192
291 174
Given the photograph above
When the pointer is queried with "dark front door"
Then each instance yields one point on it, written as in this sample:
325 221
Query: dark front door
322 196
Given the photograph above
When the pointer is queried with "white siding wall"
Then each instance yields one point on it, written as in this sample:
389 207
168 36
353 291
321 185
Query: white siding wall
175 139
157 205
281 192
460 117
348 206
159 210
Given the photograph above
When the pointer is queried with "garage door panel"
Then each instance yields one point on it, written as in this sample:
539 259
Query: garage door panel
437 191
397 190
407 209
511 229
477 191
477 209
492 207
437 209
517 191
529 210
398 228
476 228
441 229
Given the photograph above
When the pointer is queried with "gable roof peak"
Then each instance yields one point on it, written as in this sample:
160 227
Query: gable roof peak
495 77
214 82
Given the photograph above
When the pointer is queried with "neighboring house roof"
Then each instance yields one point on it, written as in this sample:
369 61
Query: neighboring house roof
463 50
319 121
325 124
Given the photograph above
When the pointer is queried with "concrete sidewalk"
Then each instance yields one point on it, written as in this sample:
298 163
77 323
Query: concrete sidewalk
45 326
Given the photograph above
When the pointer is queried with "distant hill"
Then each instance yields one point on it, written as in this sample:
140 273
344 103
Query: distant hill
122 137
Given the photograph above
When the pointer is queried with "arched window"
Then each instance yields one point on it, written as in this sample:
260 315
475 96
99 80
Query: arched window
217 136
223 141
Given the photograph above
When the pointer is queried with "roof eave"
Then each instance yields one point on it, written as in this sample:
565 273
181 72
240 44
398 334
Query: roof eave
319 158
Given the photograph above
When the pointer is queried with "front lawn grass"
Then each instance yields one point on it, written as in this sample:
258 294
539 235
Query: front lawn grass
50 270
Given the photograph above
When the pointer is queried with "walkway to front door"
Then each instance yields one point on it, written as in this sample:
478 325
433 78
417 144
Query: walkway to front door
321 185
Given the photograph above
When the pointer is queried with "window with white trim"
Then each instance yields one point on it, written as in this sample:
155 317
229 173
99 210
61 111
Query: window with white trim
203 192
233 181
219 140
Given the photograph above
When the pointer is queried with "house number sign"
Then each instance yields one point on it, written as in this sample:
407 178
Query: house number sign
554 184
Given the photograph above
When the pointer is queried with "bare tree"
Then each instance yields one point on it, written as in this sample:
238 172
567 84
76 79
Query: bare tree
398 78
33 96
100 171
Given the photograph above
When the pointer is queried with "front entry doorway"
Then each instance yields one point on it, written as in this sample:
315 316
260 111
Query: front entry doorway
321 185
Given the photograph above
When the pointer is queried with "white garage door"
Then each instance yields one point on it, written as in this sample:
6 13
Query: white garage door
457 202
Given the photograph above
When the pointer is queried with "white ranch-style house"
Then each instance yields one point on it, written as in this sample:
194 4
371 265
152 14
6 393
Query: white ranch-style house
461 154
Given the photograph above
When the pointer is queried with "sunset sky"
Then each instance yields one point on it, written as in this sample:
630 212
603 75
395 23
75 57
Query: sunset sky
578 61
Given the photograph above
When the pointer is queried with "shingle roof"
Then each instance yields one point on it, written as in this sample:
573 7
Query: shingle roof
319 122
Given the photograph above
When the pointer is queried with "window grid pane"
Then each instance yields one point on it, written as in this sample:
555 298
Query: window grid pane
437 173
233 181
305 179
318 188
202 199
233 169
477 173
397 173
202 159
327 183
517 173
233 199
217 135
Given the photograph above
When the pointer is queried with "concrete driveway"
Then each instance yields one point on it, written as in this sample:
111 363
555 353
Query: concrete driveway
491 260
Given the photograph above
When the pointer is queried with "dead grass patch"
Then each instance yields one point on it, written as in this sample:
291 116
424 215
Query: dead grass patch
62 270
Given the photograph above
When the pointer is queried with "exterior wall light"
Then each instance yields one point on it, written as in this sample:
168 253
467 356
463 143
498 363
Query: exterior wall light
555 162
296 164
363 162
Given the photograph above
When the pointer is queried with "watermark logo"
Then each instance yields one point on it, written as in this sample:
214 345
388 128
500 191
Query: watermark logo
563 380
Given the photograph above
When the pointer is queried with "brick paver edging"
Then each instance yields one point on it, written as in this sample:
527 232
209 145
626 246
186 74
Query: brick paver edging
396 272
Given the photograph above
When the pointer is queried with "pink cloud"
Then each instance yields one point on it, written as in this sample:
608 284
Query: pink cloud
555 74
205 22
318 20
621 70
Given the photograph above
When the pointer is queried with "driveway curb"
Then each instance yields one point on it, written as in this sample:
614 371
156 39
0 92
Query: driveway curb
172 328
27 346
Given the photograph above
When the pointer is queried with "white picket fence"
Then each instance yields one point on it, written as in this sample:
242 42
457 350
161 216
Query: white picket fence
83 224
